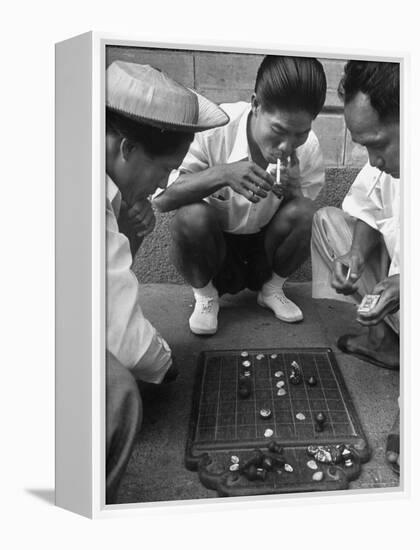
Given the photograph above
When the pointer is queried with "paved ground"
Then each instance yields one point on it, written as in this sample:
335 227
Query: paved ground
156 471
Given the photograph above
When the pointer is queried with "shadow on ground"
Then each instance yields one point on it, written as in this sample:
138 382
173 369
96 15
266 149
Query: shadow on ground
156 470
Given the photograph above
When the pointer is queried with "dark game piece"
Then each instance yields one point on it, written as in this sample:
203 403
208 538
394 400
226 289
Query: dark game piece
267 463
319 422
244 387
311 381
261 474
244 391
251 473
296 374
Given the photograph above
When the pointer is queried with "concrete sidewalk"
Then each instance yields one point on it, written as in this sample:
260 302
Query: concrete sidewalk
156 470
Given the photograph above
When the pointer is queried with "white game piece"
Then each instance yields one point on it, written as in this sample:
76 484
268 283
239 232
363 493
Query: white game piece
281 392
312 465
268 432
318 476
300 416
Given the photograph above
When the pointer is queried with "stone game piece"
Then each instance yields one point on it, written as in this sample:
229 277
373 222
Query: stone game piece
320 422
265 413
288 468
244 354
312 465
244 387
234 467
318 476
247 373
260 356
273 356
300 416
268 432
278 374
296 374
312 381
267 463
280 384
234 459
281 392
246 363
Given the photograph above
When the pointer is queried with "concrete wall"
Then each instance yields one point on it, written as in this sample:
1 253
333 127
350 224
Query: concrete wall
227 77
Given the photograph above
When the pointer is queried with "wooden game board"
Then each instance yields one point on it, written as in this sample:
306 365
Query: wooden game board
222 424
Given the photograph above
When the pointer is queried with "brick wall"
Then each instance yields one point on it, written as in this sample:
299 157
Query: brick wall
228 77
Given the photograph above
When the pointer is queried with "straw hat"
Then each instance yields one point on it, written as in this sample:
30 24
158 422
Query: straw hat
150 96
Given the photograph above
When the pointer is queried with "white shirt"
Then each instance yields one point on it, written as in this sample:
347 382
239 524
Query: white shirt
374 198
130 337
230 144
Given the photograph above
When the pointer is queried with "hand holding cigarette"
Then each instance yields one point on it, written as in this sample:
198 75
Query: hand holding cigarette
346 272
288 182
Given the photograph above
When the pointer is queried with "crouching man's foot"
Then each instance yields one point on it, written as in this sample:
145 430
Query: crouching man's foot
204 318
392 452
379 346
272 297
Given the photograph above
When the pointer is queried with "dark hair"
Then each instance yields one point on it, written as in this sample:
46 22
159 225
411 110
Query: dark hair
379 80
155 141
291 82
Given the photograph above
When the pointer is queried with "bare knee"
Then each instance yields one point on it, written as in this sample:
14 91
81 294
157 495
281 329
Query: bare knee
194 221
297 214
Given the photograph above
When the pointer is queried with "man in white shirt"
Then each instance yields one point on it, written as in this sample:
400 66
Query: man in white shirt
150 124
237 226
355 251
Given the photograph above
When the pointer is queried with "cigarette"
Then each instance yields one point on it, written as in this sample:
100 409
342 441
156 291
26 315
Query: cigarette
378 177
278 172
348 274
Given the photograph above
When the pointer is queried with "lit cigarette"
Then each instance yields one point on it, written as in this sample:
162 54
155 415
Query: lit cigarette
278 172
348 274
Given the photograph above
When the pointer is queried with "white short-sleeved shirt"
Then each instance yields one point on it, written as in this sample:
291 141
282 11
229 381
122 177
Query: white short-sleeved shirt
130 336
374 198
229 144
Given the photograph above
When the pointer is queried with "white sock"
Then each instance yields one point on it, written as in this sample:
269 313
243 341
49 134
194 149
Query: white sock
208 291
275 283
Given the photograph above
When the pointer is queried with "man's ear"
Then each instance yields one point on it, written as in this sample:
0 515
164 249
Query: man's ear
126 148
255 104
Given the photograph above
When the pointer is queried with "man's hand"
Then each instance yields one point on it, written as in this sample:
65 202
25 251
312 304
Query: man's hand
141 218
389 301
248 179
347 270
136 222
290 181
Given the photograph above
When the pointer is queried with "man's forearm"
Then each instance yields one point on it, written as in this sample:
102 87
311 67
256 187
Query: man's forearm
365 239
191 188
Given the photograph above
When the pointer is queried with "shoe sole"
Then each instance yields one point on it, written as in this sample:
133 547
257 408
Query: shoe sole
284 319
202 332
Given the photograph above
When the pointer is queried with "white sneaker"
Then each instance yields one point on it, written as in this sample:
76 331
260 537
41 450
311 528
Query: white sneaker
284 309
204 317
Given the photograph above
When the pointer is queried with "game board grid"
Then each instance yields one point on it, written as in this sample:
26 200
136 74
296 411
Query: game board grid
230 423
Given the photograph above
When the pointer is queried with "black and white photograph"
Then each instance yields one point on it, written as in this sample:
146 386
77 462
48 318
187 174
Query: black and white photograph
252 273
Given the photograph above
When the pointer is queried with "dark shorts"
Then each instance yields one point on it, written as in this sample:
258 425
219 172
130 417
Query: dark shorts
246 264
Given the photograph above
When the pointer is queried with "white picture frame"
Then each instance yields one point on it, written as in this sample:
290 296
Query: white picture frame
80 269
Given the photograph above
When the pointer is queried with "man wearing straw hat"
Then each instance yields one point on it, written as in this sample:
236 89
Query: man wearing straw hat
150 123
356 250
237 225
